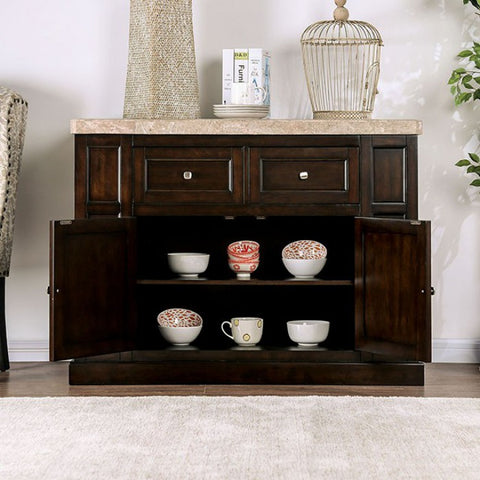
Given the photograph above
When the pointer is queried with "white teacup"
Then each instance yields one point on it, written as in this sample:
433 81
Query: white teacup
247 94
246 331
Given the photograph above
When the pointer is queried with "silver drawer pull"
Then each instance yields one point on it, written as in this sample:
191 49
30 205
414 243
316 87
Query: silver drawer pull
187 175
303 175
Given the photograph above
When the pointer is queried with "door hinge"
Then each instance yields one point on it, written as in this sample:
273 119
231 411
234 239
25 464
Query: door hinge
432 291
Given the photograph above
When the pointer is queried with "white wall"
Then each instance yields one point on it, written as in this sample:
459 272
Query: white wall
68 59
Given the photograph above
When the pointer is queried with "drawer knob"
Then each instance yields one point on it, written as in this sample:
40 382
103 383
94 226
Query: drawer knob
187 175
303 175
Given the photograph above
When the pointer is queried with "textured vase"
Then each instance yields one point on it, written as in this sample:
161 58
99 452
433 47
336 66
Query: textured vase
162 77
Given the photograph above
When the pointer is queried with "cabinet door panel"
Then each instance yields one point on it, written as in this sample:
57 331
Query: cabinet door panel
92 279
309 175
392 288
102 175
389 172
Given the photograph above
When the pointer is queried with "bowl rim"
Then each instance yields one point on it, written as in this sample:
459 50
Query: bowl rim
305 259
188 254
308 323
179 328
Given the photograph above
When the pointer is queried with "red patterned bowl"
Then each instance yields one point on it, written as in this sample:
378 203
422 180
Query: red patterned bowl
305 250
253 257
179 317
244 249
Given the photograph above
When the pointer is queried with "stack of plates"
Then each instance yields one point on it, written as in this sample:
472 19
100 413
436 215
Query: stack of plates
241 111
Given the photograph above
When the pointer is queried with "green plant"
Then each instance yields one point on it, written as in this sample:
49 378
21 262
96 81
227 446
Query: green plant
465 87
466 81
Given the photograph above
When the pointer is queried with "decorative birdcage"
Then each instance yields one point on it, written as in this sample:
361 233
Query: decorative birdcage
342 66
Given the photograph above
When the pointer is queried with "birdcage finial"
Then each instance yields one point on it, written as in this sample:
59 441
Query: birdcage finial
340 14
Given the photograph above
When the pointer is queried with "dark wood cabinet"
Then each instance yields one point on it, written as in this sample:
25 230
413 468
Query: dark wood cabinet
110 277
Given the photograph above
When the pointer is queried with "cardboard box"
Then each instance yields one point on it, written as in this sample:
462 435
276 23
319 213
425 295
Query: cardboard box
227 75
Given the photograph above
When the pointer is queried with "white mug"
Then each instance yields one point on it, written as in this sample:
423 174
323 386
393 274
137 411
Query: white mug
247 94
246 331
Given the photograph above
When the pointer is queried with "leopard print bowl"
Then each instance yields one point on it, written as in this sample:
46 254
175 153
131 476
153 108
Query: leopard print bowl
179 326
305 250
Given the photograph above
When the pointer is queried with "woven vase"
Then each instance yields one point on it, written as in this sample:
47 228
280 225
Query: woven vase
162 77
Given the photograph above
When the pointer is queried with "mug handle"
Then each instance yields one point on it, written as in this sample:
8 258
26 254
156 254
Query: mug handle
264 93
230 325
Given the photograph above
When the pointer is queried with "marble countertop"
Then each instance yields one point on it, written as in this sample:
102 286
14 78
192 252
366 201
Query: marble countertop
246 127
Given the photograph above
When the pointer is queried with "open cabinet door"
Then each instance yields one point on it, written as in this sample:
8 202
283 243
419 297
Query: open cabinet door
92 282
392 288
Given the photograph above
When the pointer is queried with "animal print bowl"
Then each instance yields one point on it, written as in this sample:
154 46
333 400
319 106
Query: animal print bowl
305 249
179 326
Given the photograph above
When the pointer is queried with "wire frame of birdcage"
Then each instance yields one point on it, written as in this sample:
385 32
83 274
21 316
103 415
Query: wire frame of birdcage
342 67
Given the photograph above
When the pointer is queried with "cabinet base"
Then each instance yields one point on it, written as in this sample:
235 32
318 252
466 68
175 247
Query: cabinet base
343 368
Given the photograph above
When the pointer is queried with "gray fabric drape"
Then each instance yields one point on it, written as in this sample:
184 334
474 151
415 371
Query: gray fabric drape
13 117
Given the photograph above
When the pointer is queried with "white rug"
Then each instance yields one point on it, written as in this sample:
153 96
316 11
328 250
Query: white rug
244 438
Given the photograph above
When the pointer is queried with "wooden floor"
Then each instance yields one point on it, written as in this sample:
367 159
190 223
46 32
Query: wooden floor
45 379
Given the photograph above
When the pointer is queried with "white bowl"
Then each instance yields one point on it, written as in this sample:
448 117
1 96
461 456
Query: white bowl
308 333
180 335
188 264
304 268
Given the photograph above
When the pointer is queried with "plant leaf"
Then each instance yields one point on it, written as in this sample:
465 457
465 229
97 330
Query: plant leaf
475 4
463 163
474 157
476 183
462 98
453 78
464 53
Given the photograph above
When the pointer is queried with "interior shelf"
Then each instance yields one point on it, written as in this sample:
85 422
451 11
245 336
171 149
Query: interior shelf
252 282
260 353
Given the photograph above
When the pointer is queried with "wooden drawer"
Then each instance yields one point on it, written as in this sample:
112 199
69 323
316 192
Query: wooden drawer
181 175
310 175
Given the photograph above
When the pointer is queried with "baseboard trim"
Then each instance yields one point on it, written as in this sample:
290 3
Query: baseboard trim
455 350
28 351
444 350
